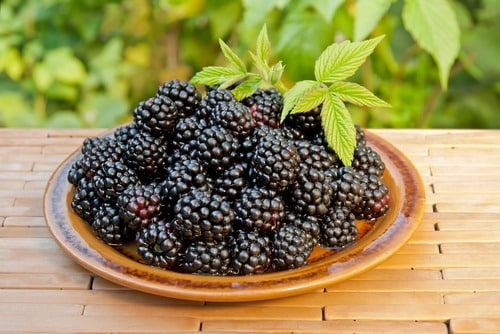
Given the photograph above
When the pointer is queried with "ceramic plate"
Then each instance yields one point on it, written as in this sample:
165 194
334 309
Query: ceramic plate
376 243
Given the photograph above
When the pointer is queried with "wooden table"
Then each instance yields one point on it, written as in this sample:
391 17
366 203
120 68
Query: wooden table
445 280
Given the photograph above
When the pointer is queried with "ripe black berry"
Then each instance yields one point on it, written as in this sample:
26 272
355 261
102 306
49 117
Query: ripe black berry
250 253
291 248
184 94
159 245
265 106
156 115
201 214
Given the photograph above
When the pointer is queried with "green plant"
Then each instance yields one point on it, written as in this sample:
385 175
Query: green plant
88 63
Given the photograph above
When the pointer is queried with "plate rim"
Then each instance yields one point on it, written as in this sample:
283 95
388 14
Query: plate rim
321 274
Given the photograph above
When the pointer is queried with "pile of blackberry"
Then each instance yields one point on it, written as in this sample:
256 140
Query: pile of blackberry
211 185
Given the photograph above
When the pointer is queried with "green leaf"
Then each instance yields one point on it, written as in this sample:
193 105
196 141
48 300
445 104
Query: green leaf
327 8
232 57
256 11
215 75
275 73
14 63
368 14
434 26
223 16
261 66
339 128
340 60
42 77
294 94
262 53
300 42
263 48
310 100
64 66
16 112
247 87
356 94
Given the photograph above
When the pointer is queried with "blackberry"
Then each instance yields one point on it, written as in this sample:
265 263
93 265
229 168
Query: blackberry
159 245
109 227
76 173
216 148
346 185
183 176
85 202
98 150
112 179
187 131
291 248
200 214
208 103
368 161
184 94
156 115
249 143
314 156
259 210
311 193
140 205
338 228
146 154
376 198
126 132
234 117
265 106
360 136
274 163
310 224
206 257
232 181
308 123
250 253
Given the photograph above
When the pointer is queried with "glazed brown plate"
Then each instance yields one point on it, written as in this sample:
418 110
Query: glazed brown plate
377 241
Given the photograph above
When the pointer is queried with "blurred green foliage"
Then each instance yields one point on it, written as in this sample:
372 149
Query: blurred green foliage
87 63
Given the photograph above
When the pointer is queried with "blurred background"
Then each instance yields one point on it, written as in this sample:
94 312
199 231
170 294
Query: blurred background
87 63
